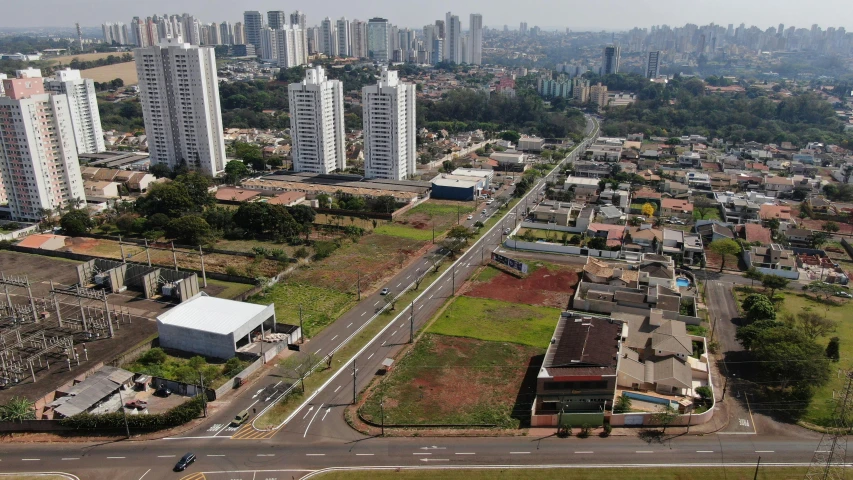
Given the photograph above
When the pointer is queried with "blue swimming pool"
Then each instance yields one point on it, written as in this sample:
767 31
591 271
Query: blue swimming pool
682 282
649 398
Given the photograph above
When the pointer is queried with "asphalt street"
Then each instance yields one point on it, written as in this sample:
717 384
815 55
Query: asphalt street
318 437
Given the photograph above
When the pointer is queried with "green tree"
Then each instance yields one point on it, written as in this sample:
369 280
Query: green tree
623 405
723 247
160 170
790 358
753 274
818 238
664 417
748 335
197 186
510 136
155 356
597 243
761 310
17 409
189 230
76 222
234 171
830 227
170 199
833 349
774 282
297 367
812 324
461 232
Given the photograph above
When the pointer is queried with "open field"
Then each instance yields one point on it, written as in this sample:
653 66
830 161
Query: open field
711 214
582 473
403 231
497 321
365 223
320 306
229 289
374 257
174 367
213 262
125 71
461 381
85 57
548 286
545 234
441 213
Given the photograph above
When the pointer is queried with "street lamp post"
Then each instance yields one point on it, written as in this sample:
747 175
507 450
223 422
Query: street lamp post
124 412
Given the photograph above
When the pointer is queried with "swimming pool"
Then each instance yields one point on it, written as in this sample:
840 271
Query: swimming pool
682 281
649 398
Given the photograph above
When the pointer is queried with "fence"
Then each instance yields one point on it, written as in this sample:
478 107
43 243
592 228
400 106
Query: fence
557 248
23 232
553 227
181 388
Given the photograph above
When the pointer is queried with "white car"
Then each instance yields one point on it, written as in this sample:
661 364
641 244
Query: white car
470 217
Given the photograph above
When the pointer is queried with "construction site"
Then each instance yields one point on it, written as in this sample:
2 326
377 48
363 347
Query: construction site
61 319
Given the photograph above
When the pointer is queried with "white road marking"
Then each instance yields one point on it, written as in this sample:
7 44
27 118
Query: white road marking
371 356
277 384
408 277
307 413
420 307
364 454
350 324
166 456
336 390
318 351
398 285
421 453
71 458
315 454
383 343
143 475
518 453
765 451
312 419
704 451
266 454
430 297
465 453
327 412
333 338
213 455
583 452
393 333
363 314
116 458
30 459
644 451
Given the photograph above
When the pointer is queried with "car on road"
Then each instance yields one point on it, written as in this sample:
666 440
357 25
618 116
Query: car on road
137 404
385 291
163 392
506 231
185 462
470 217
240 418
490 202
843 295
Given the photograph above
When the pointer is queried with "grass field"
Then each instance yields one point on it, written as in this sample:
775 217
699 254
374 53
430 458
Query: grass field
822 404
454 380
248 245
442 213
711 214
320 306
545 234
231 289
125 71
374 257
403 231
583 473
178 369
85 57
498 321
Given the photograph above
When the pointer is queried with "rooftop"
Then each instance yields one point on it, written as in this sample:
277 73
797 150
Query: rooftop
584 345
210 314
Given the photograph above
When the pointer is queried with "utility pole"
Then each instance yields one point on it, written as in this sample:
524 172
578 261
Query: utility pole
757 464
829 459
174 256
353 382
203 272
412 324
147 252
301 331
453 282
124 412
203 394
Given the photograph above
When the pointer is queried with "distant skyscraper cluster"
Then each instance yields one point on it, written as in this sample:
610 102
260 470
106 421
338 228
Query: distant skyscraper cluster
145 32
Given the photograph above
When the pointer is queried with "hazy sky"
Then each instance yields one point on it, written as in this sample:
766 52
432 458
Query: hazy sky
576 14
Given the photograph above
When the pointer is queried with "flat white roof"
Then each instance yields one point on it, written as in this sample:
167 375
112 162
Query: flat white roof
473 172
459 181
570 180
211 314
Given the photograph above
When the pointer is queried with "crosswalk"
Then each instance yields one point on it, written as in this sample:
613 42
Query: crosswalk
247 432
194 476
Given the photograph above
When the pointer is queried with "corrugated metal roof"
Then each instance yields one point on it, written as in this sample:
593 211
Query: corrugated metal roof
211 314
89 392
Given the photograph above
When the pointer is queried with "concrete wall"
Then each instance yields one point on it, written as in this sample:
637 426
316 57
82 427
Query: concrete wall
19 233
195 341
552 226
557 248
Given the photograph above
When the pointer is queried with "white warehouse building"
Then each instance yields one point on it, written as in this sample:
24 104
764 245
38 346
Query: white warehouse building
214 327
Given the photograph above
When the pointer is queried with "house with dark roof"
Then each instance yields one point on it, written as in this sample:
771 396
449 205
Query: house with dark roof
579 371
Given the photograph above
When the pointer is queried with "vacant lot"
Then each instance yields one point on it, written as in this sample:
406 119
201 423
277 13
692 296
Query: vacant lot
453 380
547 286
213 262
320 306
650 473
125 71
419 222
157 363
86 57
405 231
374 257
497 321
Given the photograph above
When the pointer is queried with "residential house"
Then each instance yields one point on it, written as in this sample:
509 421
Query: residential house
686 245
643 239
778 186
599 271
673 207
564 214
603 153
713 230
584 188
657 270
674 188
755 233
612 215
782 213
698 180
591 169
799 237
689 160
772 260
613 233
721 181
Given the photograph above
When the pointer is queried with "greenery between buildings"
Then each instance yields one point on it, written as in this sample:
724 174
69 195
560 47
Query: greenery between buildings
158 363
179 415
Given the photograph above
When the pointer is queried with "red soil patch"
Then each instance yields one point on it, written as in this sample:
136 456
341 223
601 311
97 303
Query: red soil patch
81 244
544 287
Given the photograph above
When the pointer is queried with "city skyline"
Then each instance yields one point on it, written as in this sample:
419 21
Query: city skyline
823 12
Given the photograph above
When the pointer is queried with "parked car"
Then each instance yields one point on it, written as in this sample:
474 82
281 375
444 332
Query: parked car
470 217
185 462
138 404
843 295
385 291
163 392
506 231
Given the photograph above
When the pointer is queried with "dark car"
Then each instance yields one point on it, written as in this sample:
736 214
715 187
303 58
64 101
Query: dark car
184 462
163 392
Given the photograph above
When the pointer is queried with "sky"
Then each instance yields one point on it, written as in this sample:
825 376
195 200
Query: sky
580 15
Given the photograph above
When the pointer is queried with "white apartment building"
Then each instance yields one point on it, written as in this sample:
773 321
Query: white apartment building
475 44
253 23
38 155
85 116
453 40
179 92
269 45
317 123
343 37
358 34
389 128
328 38
2 77
291 50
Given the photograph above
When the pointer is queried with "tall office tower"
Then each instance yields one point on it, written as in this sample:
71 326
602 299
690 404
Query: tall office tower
226 33
379 40
653 64
239 34
179 92
297 19
269 45
389 128
343 37
38 156
475 45
85 117
395 39
440 29
522 28
276 19
290 47
781 29
610 59
313 40
452 41
317 123
437 51
328 38
214 34
464 49
253 22
358 33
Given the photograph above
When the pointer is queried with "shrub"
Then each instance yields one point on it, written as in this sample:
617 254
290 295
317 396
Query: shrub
301 252
585 431
324 249
606 431
155 356
178 415
623 404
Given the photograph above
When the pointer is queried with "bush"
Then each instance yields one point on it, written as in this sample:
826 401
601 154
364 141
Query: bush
324 249
585 431
606 431
623 404
301 252
179 415
155 356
